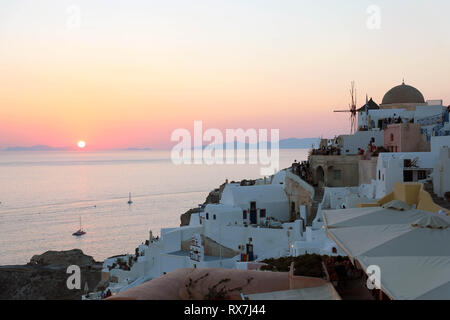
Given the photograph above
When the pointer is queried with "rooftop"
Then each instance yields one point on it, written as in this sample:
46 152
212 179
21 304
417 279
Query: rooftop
404 243
403 94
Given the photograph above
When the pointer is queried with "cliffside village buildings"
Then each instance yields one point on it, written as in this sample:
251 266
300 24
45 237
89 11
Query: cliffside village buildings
397 161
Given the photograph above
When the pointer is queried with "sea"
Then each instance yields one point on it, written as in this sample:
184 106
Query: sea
44 195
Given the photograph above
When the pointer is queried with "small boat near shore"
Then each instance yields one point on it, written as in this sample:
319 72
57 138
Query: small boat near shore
79 232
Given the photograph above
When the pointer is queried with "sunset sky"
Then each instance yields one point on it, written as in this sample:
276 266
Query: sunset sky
133 71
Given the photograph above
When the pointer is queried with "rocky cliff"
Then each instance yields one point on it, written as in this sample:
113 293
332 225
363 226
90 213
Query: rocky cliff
45 276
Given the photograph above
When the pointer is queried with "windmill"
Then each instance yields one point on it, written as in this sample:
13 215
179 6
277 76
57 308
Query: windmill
352 108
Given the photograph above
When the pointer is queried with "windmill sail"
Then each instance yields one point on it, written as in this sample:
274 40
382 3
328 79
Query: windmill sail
352 108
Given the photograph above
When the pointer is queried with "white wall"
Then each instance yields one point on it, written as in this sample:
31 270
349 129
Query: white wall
171 241
187 232
421 115
279 177
170 262
266 241
351 143
316 241
388 172
225 214
390 168
375 115
270 197
427 115
438 142
441 173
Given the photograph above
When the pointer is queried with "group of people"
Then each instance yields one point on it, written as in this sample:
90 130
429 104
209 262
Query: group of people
302 169
391 120
327 151
371 148
340 270
382 124
106 294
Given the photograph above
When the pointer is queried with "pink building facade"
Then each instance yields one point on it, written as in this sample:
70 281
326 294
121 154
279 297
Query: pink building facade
404 137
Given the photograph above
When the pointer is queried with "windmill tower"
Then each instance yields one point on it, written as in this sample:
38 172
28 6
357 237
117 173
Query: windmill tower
352 108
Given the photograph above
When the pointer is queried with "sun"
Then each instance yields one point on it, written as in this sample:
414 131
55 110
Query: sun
81 144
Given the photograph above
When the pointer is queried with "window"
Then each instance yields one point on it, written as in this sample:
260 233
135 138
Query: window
421 174
379 175
337 174
244 215
262 213
214 216
407 176
207 216
253 205
392 137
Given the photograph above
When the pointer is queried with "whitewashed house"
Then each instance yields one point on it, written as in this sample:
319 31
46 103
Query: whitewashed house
349 144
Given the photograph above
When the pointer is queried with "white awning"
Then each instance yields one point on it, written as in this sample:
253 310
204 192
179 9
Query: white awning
411 247
325 292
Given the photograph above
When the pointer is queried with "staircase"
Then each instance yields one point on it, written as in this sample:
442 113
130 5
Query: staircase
428 187
318 196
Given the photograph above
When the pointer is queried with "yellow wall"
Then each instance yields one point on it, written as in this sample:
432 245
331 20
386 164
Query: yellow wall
410 193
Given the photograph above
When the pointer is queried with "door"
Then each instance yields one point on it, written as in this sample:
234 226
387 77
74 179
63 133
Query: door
253 211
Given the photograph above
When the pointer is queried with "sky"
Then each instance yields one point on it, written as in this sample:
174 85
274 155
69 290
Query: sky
128 73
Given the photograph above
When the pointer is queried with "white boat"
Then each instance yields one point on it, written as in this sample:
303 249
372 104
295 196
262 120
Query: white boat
80 231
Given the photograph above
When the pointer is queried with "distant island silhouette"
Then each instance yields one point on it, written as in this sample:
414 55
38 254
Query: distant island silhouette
289 143
37 148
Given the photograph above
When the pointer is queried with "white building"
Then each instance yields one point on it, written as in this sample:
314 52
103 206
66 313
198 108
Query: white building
256 214
441 173
259 202
349 144
396 167
402 167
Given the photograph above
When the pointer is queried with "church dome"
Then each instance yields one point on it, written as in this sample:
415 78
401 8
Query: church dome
403 94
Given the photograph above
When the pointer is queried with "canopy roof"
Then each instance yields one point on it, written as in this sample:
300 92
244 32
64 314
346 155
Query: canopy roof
325 292
410 246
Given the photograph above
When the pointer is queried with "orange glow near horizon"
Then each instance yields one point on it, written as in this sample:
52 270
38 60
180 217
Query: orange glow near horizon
134 71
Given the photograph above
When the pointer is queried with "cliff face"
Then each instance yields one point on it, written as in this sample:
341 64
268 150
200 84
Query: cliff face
45 277
66 258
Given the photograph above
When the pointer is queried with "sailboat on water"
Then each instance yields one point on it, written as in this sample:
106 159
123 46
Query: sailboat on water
80 231
129 198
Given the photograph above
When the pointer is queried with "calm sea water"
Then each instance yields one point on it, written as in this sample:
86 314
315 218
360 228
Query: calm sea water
44 194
